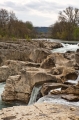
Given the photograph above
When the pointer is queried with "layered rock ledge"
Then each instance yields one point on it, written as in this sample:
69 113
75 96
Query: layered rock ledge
43 111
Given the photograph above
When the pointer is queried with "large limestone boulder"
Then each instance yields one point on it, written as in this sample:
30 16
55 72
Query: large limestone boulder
38 55
64 73
60 59
41 77
16 89
50 45
72 90
47 87
15 66
48 63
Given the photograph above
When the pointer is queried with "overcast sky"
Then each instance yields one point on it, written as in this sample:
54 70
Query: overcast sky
39 12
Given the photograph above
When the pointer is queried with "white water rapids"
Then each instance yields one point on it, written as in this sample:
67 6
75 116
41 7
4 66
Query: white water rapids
34 94
66 47
57 99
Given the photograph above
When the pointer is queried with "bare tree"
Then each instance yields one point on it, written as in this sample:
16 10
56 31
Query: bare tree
70 14
4 17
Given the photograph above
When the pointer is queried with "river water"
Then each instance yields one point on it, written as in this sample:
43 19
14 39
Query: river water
66 47
56 99
34 94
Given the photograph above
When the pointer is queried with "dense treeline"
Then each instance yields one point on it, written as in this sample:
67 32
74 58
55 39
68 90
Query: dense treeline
11 27
67 26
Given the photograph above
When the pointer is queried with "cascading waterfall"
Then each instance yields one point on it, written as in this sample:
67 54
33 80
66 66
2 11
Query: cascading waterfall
34 94
66 47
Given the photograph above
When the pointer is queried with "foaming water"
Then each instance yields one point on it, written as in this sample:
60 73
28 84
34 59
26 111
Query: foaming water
66 47
74 81
57 99
34 94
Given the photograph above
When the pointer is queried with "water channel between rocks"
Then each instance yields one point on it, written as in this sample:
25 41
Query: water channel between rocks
35 92
51 98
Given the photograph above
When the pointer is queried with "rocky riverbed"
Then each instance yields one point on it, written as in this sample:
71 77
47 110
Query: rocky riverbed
25 64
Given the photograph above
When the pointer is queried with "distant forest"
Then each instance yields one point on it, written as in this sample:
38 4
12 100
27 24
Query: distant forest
65 28
11 27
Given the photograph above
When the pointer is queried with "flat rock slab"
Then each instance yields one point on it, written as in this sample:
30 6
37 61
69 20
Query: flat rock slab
40 111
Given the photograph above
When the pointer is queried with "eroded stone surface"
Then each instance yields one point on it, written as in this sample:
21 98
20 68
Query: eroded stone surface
47 87
43 111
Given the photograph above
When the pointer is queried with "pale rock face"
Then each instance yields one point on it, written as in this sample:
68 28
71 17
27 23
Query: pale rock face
52 88
15 66
48 63
72 90
4 73
15 89
38 55
64 73
43 111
